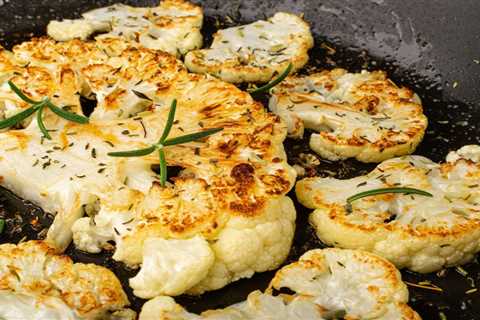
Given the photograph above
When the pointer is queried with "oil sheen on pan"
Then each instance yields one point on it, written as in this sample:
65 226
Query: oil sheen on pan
418 45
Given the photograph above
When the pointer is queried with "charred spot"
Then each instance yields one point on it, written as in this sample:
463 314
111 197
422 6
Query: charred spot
240 101
259 144
356 141
372 104
276 184
209 108
267 129
228 147
247 208
162 86
243 173
176 228
384 144
111 100
390 219
368 104
329 86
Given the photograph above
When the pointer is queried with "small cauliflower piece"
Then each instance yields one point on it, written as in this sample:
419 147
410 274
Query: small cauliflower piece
37 82
173 26
170 267
324 283
35 283
420 233
75 29
255 52
123 79
354 115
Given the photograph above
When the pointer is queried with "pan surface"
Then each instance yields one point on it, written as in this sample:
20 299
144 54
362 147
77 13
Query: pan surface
433 47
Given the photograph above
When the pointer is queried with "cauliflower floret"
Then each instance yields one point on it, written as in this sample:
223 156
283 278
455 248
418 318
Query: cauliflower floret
347 283
255 52
173 26
246 246
170 267
14 306
413 231
469 152
37 284
243 247
354 115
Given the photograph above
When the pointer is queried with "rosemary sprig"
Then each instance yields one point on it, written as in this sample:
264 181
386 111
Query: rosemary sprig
374 192
2 225
41 125
164 142
39 107
274 82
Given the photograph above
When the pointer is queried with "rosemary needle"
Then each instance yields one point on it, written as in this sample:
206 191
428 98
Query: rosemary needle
274 82
373 192
38 106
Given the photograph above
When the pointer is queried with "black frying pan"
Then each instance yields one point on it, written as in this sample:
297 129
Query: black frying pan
431 46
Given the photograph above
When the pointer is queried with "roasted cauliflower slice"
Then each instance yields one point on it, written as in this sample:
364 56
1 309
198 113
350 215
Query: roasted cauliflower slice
37 82
173 26
255 52
324 284
413 231
122 79
354 115
229 197
35 283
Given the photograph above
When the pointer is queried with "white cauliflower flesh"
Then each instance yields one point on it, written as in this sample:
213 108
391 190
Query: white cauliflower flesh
122 79
173 26
354 115
255 52
37 284
228 199
325 283
421 233
171 267
75 29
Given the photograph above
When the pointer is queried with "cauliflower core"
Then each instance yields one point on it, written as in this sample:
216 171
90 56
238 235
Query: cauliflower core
420 233
355 115
173 26
37 284
255 52
228 199
325 284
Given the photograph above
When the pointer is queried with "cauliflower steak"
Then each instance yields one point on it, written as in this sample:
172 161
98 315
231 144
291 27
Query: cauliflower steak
255 52
37 284
354 115
323 284
173 26
228 200
413 231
